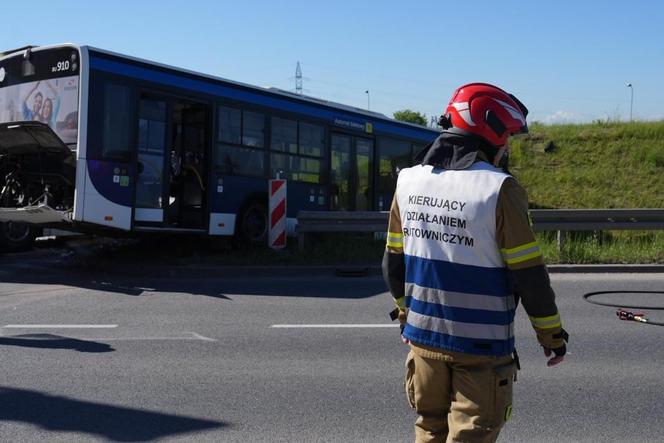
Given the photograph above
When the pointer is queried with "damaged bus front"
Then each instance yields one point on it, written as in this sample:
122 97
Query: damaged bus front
39 116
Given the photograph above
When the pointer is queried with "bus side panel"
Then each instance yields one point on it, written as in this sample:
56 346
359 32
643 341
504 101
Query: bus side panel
108 194
227 197
222 224
81 151
305 197
231 193
79 190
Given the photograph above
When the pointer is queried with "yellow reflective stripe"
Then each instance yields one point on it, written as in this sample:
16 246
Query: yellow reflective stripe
508 412
401 303
519 248
395 239
550 322
513 261
545 319
521 253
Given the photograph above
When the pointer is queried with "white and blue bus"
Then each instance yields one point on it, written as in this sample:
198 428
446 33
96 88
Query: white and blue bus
93 141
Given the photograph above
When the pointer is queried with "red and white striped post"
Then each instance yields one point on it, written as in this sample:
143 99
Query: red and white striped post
277 237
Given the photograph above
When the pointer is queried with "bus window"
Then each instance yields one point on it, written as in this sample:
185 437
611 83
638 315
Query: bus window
253 129
394 155
306 141
363 158
312 139
340 171
116 136
240 132
416 150
296 168
284 135
236 160
151 151
230 123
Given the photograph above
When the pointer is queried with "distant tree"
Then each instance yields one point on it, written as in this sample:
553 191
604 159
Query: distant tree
410 116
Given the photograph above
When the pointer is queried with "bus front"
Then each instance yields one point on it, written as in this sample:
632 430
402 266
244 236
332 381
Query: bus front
39 125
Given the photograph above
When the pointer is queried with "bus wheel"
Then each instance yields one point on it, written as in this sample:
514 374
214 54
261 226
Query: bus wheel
253 223
16 237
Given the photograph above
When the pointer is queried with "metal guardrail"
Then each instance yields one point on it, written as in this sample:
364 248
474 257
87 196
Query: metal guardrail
596 219
339 221
561 220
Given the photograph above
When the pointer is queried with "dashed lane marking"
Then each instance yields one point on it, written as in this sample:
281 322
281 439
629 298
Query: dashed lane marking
190 336
339 326
198 336
60 326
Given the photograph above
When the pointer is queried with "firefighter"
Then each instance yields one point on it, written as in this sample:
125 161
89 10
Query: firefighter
460 254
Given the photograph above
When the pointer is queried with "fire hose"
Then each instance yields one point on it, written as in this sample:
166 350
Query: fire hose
622 312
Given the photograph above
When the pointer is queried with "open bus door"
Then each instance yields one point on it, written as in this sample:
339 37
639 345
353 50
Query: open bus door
351 173
171 165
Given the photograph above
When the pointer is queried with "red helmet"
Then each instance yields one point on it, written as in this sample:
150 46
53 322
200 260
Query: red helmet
486 111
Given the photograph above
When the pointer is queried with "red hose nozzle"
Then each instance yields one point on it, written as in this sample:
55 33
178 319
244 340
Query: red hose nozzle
628 315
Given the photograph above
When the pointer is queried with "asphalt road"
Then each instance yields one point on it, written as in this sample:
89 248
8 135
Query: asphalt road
198 359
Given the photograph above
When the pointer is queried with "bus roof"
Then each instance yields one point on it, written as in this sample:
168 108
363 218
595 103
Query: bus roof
11 51
275 92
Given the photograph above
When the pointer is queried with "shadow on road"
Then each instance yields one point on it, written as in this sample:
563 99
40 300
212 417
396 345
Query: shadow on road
221 283
55 413
50 341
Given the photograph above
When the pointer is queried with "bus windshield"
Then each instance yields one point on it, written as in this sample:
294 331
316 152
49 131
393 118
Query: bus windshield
42 85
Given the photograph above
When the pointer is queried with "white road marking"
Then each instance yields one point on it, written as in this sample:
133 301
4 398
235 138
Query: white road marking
342 325
198 336
60 326
187 338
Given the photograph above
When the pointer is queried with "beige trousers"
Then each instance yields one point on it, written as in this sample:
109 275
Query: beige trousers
458 397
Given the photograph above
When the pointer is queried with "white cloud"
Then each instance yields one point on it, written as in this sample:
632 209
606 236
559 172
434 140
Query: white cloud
562 117
565 117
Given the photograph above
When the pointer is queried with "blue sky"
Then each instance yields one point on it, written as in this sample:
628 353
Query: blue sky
566 60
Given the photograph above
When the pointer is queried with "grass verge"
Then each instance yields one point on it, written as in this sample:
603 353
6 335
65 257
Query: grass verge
605 247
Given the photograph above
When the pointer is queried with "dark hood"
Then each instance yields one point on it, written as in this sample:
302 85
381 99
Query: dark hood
455 150
30 138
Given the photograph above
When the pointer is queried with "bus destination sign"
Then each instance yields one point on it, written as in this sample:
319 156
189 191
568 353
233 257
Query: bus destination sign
364 127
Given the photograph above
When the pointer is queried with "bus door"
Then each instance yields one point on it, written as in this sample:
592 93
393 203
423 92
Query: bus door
188 166
350 173
152 137
172 164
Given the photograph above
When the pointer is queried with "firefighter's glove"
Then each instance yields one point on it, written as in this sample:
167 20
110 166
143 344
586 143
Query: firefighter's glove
401 315
553 341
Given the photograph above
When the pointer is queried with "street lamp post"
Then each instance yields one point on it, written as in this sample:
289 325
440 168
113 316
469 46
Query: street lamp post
631 100
368 100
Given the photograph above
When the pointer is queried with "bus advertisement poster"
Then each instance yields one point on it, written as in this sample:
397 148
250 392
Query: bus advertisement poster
53 102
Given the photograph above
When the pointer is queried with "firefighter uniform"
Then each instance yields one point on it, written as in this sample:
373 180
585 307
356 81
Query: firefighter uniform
460 253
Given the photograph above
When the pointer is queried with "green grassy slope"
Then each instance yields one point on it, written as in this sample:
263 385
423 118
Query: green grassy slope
598 165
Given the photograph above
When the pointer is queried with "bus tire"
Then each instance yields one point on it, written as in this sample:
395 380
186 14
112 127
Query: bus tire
17 237
252 226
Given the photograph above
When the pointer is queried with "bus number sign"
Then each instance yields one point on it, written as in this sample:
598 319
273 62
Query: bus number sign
61 66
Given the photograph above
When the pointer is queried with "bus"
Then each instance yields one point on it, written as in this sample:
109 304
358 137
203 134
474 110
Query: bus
98 142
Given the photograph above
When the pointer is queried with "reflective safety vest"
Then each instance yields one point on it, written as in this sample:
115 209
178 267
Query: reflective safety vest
457 287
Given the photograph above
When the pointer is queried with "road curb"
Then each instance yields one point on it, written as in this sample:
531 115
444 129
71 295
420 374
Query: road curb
606 268
372 270
342 271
